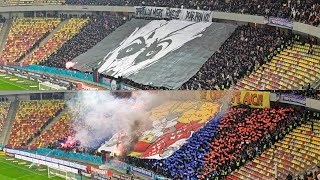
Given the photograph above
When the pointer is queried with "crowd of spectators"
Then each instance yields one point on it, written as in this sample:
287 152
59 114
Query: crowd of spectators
96 29
224 143
243 134
313 94
305 11
245 50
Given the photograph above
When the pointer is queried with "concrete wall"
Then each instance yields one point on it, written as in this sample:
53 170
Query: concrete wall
314 104
239 17
306 29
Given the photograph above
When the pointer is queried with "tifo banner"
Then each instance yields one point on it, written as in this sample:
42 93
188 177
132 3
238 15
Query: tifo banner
293 99
158 12
281 22
174 13
255 99
196 15
214 95
156 52
172 125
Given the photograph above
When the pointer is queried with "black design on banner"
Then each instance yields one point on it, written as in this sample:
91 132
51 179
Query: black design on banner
198 16
173 13
149 12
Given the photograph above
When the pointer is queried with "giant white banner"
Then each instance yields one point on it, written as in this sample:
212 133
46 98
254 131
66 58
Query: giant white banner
173 13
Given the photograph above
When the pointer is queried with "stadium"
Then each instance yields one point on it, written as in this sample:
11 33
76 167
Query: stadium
150 45
159 135
257 64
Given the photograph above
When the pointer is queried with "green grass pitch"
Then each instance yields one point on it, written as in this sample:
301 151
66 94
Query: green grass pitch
10 170
11 82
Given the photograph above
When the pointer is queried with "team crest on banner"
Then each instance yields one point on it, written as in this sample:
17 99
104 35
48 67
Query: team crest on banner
173 123
149 44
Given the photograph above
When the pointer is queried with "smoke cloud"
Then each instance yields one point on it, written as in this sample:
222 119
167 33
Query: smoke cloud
98 114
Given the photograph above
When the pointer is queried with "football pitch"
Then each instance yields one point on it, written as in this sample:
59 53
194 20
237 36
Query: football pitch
11 82
14 169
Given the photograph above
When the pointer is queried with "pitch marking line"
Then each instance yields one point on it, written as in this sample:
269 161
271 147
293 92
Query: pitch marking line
23 169
14 84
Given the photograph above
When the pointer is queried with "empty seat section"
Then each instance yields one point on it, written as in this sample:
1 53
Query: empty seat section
61 128
31 116
4 109
66 32
24 34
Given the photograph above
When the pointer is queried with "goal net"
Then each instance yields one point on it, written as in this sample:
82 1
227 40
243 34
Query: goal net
54 172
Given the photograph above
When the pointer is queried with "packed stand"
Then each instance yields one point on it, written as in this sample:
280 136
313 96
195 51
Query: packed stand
31 117
305 11
25 34
4 109
294 156
223 144
242 134
67 31
30 2
294 65
240 54
93 32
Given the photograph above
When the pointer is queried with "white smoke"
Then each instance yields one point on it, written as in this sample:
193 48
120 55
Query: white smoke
98 114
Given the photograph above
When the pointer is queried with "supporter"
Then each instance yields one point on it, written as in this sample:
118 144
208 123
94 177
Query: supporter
289 177
96 30
245 50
